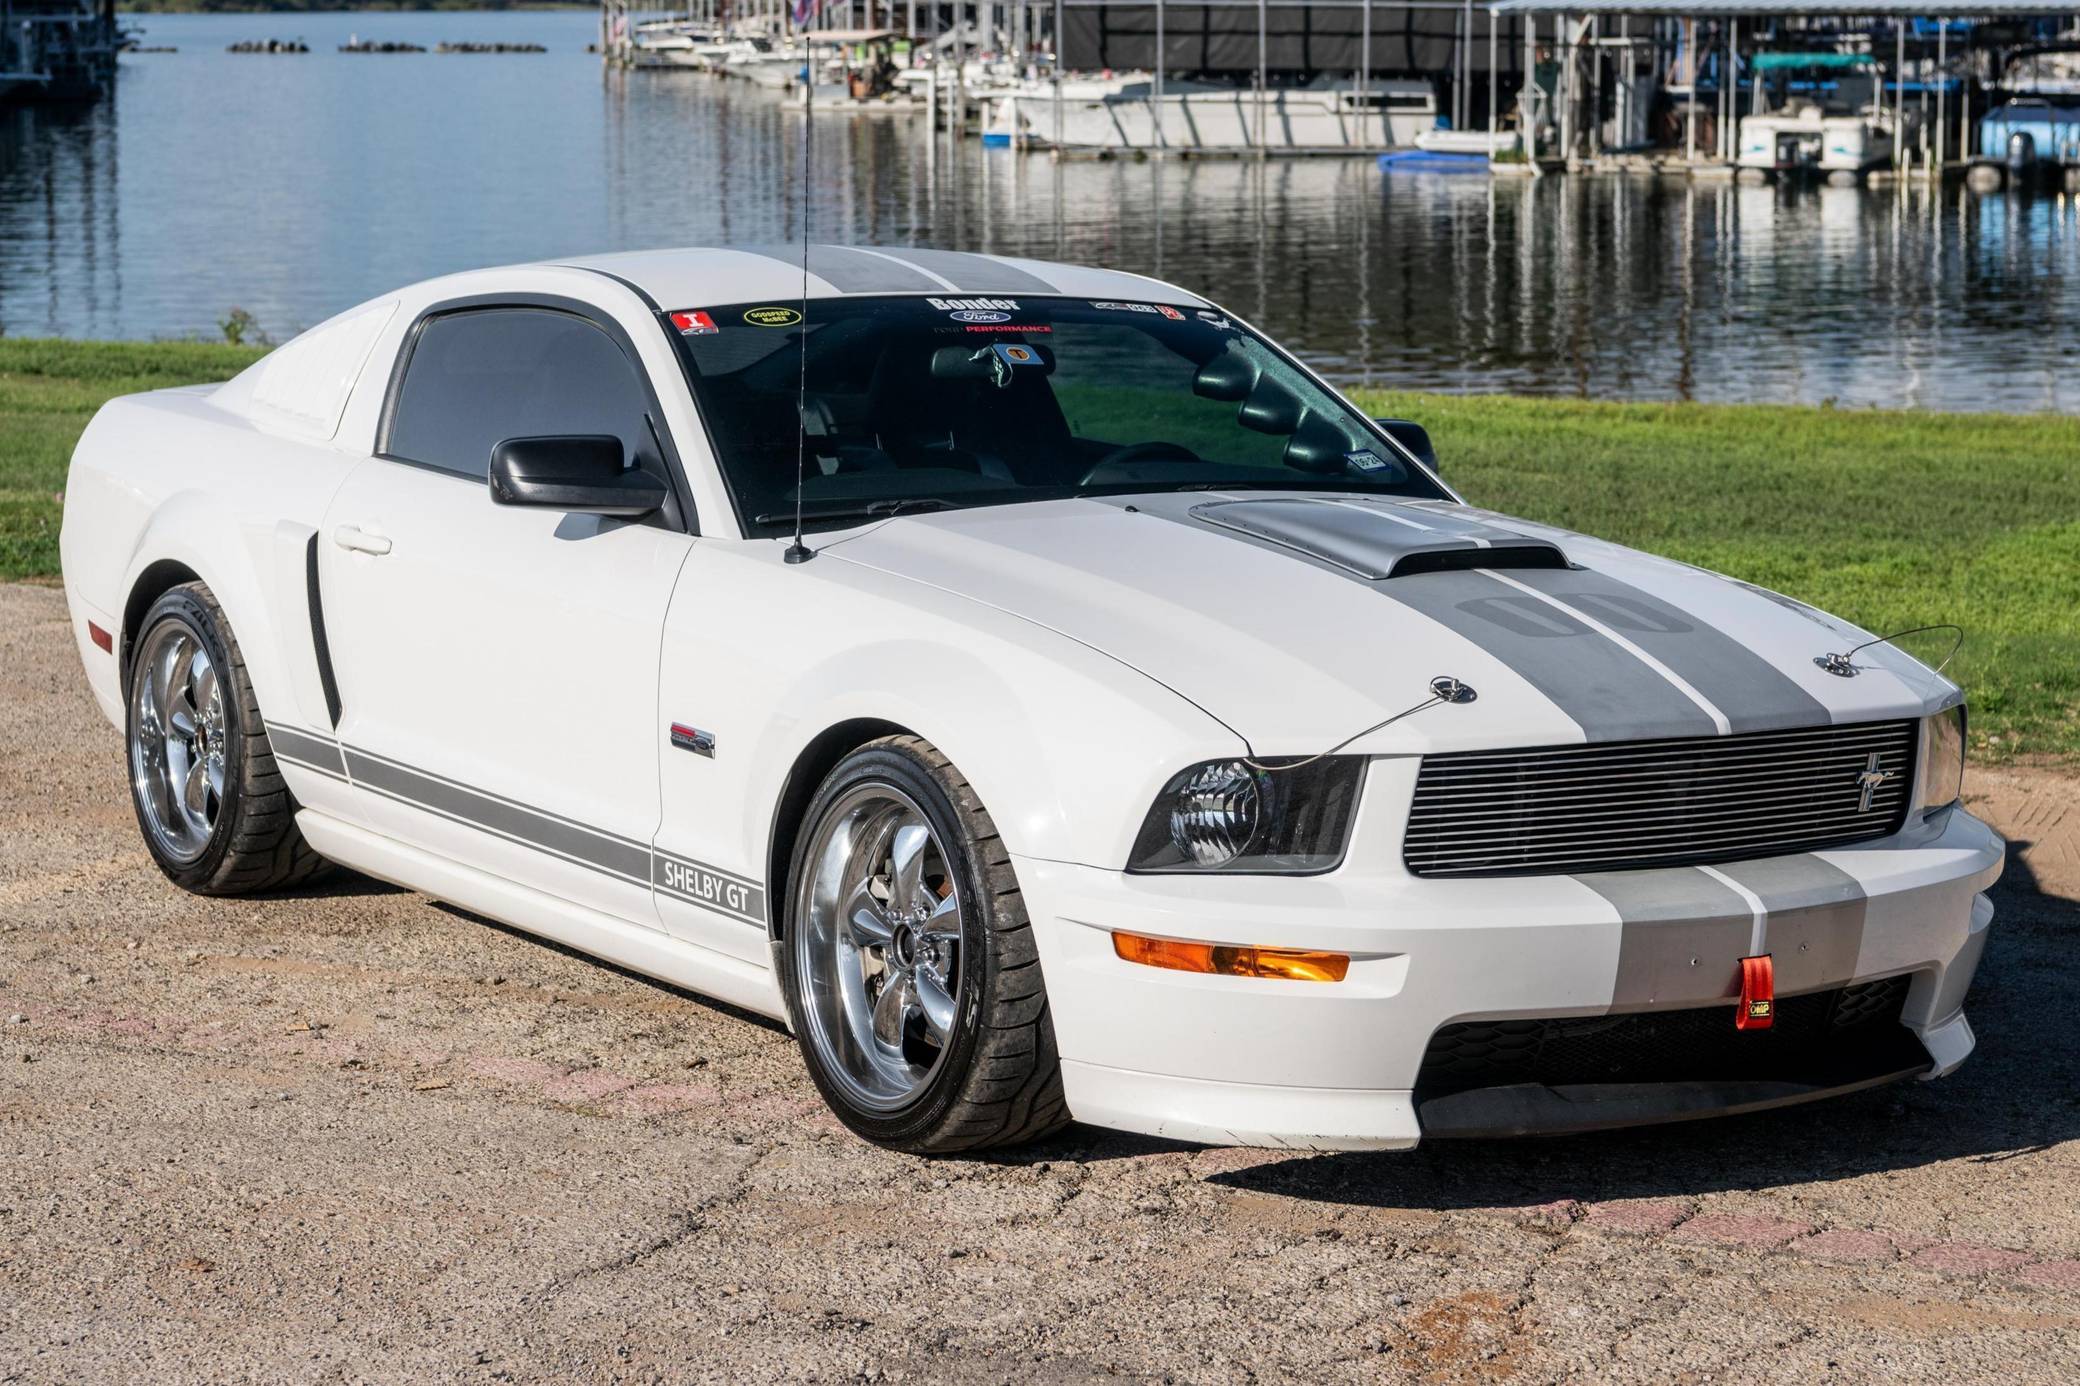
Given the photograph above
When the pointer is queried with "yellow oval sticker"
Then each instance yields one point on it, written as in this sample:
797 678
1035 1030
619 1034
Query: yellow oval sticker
772 317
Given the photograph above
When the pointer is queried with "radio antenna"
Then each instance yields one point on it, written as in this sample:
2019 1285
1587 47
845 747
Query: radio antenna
798 552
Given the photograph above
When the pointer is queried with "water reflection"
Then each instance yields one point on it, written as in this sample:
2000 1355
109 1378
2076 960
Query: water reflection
365 172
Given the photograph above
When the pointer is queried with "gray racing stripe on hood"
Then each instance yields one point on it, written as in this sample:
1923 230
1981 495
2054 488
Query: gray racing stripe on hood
1623 663
1608 691
1753 694
851 271
970 273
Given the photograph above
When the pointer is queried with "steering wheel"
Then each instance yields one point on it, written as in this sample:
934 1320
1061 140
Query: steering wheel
1154 451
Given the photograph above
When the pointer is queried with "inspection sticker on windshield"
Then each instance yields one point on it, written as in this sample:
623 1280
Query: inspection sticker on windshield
1365 460
694 324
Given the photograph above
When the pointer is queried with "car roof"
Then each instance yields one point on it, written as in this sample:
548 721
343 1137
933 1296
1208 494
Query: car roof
695 277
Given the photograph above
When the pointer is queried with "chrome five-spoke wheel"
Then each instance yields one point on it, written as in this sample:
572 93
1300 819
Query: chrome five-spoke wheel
216 815
178 745
907 962
878 947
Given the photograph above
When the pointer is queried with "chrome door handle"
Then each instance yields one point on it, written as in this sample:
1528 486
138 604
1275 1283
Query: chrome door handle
360 540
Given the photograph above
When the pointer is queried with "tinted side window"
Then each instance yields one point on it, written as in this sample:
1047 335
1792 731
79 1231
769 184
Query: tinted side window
478 377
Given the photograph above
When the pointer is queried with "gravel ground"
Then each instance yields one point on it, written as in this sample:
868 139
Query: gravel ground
354 1134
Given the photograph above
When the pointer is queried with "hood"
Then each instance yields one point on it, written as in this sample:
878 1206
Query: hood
1302 620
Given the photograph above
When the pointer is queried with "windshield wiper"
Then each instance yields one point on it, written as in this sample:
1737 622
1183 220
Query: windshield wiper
868 510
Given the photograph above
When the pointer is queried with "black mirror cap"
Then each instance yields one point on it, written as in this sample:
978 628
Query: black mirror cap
580 474
1414 437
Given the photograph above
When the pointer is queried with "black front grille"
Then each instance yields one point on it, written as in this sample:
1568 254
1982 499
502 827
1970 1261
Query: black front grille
1628 804
1818 1038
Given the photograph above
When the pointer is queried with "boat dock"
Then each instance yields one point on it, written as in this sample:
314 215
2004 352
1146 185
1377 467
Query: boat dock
61 51
1709 89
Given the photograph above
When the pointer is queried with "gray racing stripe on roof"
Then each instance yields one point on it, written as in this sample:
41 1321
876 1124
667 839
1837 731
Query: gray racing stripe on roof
1682 937
1753 694
850 271
971 273
1607 691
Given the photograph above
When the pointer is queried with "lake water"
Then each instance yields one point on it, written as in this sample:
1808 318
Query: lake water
293 186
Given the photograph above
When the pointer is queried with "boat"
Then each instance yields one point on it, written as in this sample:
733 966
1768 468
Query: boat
1485 143
1836 122
1126 114
2031 133
673 43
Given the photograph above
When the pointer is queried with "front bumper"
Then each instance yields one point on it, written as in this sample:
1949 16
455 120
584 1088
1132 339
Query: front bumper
1250 1061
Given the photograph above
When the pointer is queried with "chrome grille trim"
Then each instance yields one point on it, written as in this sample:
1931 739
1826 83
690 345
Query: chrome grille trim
1625 805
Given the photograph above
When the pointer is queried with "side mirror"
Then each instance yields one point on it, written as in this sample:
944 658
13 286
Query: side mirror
1414 437
580 474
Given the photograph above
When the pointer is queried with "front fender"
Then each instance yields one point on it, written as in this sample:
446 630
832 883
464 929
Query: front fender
1066 747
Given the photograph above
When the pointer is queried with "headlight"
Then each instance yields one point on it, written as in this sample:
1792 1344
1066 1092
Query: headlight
1942 758
1273 817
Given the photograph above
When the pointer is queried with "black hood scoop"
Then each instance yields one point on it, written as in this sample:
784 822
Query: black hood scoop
1377 540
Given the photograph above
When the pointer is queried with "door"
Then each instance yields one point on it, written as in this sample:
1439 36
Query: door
497 665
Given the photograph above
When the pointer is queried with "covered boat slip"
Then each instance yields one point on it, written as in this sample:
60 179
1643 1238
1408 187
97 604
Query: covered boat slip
1771 87
1775 88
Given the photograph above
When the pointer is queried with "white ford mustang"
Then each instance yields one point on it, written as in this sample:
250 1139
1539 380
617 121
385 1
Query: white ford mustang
1136 733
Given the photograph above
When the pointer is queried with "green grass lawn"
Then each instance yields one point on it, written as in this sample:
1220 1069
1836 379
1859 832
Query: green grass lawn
1888 519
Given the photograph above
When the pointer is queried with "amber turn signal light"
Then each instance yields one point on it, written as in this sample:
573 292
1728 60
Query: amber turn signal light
1292 964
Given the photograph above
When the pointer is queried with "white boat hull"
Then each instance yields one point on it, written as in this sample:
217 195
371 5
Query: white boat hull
1383 117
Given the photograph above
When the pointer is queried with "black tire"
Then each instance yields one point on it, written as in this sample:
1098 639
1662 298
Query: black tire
253 844
1000 1081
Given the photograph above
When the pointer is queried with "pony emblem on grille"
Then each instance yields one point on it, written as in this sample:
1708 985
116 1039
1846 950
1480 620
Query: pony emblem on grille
1870 781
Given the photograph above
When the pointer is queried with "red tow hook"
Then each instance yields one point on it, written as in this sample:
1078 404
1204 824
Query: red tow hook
1758 994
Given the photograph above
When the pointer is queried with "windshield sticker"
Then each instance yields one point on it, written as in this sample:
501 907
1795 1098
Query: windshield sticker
772 317
1124 307
979 315
1365 460
1217 320
1170 313
957 306
1015 327
694 324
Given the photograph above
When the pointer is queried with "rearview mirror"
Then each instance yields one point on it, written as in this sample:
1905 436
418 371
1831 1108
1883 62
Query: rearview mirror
579 474
1414 437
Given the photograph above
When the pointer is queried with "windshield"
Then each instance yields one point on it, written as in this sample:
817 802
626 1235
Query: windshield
917 403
